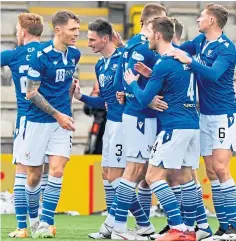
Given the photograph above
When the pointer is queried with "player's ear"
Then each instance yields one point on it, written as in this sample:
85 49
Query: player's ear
211 20
105 39
57 30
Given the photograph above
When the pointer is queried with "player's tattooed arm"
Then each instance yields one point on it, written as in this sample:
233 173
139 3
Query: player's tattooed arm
38 99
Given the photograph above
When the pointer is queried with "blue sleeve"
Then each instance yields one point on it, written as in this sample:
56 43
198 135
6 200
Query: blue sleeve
189 47
153 86
140 54
35 69
117 83
95 102
221 64
6 57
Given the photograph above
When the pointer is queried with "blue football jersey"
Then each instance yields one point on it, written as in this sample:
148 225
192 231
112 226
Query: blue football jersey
54 69
177 84
135 50
105 71
18 62
214 64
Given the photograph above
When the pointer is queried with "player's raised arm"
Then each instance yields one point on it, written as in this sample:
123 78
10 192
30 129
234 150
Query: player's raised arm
93 101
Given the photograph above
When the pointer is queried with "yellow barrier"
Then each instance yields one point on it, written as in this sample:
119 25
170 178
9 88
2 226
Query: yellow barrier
82 188
134 13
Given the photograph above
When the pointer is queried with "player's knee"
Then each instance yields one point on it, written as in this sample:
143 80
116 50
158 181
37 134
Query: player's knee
33 179
104 173
143 184
221 171
211 173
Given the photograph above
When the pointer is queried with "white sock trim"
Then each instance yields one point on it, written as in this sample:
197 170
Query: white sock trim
215 183
116 183
229 183
32 189
53 179
132 184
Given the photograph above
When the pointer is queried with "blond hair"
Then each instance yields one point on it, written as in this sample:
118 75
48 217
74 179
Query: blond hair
219 12
32 23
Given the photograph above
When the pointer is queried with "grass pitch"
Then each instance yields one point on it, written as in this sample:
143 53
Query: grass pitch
71 228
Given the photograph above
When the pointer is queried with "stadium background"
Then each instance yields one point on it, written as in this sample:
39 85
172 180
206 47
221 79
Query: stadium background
85 171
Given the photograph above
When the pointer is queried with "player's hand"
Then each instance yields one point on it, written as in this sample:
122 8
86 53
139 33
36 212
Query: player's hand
130 77
143 69
73 86
158 104
116 39
181 56
77 93
120 96
65 121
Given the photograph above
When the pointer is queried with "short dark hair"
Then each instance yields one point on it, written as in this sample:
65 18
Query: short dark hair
178 27
165 26
102 27
219 12
62 18
151 10
31 22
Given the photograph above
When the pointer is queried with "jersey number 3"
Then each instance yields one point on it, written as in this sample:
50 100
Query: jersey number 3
23 79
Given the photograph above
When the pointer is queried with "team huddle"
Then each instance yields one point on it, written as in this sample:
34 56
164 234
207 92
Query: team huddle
154 134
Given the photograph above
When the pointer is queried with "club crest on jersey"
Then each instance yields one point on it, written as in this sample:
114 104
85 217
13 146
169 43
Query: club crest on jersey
114 67
73 61
55 62
137 56
209 52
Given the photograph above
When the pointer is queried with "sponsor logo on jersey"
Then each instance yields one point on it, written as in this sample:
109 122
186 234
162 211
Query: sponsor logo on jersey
140 124
137 56
33 73
226 44
55 62
102 79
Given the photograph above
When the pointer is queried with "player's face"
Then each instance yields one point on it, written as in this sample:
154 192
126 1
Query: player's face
19 34
151 37
95 42
69 33
204 21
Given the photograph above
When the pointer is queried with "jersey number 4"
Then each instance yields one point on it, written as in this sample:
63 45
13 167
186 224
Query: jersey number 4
23 69
190 92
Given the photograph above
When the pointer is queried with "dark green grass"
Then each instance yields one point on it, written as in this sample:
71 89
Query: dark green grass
77 228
